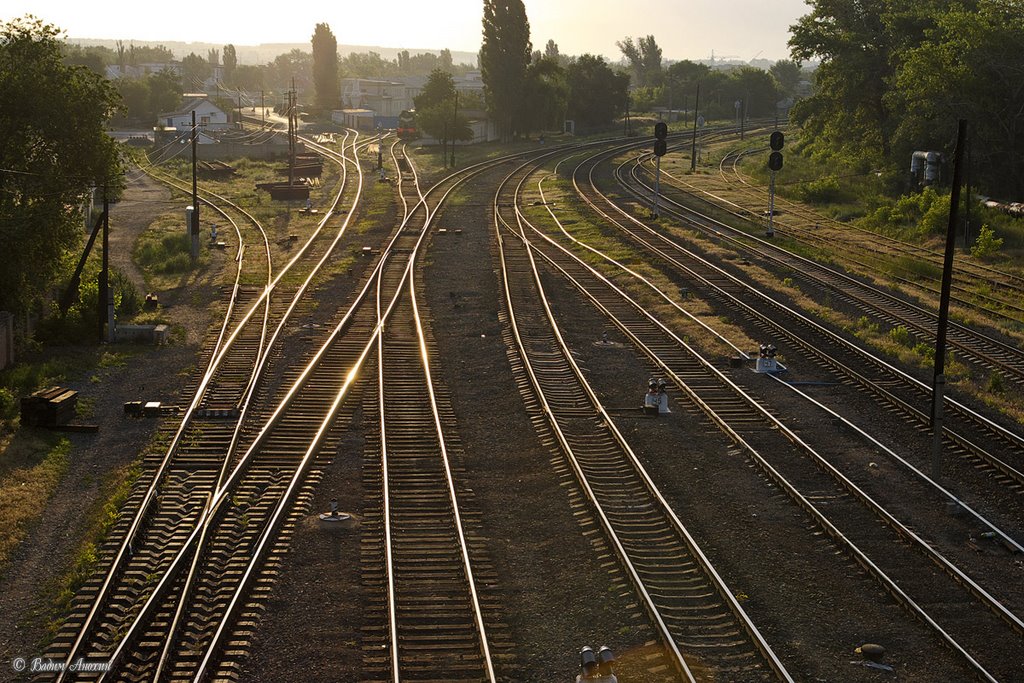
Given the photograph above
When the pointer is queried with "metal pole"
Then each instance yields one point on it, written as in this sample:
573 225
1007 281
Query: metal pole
967 204
771 206
939 381
105 270
194 228
693 148
292 123
743 115
455 125
657 184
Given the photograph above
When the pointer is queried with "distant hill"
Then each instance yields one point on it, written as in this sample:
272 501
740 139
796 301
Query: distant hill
266 52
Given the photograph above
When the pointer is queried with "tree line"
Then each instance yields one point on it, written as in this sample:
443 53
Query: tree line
895 77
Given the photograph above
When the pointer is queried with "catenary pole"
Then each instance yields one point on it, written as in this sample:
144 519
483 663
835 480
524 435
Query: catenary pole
939 378
693 148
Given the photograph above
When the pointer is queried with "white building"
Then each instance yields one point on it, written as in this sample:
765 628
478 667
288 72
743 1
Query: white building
385 98
209 117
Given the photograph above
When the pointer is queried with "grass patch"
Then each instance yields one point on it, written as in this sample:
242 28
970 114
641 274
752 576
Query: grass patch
32 466
102 517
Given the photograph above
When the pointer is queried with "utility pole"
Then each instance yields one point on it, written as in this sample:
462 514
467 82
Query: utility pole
743 114
105 269
455 125
967 204
939 378
263 108
660 148
194 228
380 152
693 148
292 97
625 121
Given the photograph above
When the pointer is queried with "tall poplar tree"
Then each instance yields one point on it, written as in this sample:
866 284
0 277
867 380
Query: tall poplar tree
325 67
230 62
504 57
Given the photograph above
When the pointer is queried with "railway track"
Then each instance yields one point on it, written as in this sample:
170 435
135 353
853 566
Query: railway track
704 631
840 508
242 480
188 475
421 565
984 444
982 350
873 252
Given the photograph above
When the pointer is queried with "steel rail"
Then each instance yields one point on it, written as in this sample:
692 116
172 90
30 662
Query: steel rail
647 283
216 499
1011 619
1015 440
441 441
262 346
823 521
244 411
149 496
281 506
223 493
733 159
862 558
678 658
968 341
990 602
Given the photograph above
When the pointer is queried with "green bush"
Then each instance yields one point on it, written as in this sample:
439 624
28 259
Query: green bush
127 299
987 243
8 404
901 335
926 351
823 191
913 215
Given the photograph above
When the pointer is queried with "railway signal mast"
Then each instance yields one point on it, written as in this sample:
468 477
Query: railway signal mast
774 164
660 148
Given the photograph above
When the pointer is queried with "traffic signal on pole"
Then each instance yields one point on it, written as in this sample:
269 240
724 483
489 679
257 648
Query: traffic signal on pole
775 141
660 133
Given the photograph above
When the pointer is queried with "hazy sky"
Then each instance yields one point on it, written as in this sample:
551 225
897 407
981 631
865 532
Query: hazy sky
685 29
